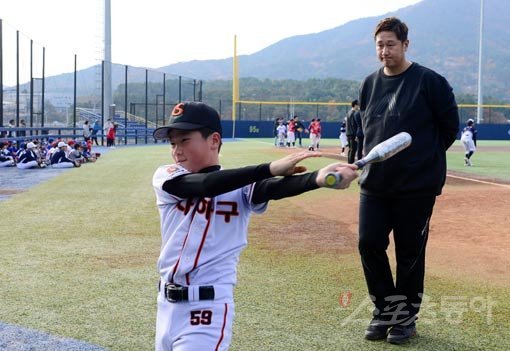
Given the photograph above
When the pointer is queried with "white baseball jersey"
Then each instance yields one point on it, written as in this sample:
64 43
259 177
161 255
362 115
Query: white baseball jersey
202 239
467 139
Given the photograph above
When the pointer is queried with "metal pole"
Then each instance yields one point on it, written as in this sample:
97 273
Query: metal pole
125 103
17 78
102 103
31 84
194 89
146 102
74 95
164 98
108 57
43 87
1 76
180 90
479 116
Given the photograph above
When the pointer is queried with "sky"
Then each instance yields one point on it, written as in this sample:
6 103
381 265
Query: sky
156 33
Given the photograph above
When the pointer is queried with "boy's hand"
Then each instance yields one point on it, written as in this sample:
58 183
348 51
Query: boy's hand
288 165
346 171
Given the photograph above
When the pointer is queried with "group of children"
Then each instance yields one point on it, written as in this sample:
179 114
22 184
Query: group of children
41 154
287 132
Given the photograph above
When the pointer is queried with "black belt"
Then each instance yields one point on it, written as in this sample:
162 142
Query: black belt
179 293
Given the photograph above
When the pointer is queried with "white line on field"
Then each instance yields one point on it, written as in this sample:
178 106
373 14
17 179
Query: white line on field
479 181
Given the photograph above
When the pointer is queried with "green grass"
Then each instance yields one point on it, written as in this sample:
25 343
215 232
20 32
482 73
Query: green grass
81 263
492 159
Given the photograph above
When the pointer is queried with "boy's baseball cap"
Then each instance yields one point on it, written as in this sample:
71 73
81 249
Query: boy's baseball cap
61 143
190 116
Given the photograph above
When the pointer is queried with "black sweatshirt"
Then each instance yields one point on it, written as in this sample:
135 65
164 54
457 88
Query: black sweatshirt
418 101
212 181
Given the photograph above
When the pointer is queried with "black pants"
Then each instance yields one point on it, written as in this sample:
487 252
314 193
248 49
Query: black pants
299 137
353 147
359 139
396 302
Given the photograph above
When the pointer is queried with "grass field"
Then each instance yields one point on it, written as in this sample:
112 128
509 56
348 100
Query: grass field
79 260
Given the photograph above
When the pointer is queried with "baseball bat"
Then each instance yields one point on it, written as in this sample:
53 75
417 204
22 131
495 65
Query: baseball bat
379 153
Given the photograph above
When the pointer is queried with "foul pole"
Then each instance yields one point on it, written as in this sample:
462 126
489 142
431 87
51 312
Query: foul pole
235 87
479 114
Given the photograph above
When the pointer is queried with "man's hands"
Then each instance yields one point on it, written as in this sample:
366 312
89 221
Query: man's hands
287 166
346 171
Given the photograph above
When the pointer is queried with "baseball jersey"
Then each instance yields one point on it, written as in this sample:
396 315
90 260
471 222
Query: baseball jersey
468 134
281 129
202 238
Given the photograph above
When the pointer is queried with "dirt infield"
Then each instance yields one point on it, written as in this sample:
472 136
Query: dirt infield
469 235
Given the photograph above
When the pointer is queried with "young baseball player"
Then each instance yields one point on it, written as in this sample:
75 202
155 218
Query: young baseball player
291 137
281 130
468 139
343 138
59 158
204 213
6 160
28 158
315 130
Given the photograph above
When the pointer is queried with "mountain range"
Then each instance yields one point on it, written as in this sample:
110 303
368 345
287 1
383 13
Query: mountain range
443 34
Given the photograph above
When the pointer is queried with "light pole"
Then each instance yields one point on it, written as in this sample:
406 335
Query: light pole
157 108
479 114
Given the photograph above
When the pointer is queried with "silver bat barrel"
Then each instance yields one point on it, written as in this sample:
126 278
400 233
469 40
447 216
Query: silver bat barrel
386 149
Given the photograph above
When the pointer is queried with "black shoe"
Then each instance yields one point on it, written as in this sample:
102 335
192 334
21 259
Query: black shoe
377 330
400 334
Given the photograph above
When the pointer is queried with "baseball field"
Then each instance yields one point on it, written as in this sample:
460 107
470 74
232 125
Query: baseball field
78 258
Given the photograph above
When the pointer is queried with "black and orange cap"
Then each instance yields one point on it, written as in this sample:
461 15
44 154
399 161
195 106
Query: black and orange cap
190 115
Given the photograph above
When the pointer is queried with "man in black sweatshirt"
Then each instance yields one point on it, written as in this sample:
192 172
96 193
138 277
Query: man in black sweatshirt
399 194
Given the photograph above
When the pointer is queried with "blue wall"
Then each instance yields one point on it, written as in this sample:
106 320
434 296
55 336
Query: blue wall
264 129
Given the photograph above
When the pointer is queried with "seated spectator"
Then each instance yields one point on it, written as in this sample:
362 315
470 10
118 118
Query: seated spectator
76 155
89 157
6 160
28 158
59 158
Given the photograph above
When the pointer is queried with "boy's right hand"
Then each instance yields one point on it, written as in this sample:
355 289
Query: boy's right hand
347 172
287 165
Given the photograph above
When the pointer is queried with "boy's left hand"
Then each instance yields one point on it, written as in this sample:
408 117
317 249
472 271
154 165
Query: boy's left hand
287 165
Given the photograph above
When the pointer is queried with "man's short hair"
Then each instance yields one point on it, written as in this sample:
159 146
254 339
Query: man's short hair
392 24
354 103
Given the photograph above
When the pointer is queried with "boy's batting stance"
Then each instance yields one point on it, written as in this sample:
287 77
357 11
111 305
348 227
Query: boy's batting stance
204 214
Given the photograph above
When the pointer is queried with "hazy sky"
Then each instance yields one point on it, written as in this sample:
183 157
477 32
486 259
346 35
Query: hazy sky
155 33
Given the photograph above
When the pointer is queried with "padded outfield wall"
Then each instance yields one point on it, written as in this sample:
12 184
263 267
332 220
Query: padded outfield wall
264 129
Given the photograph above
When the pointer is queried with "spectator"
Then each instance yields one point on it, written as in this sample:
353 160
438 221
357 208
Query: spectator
86 131
359 135
300 129
352 130
22 124
60 159
95 129
6 160
12 124
28 158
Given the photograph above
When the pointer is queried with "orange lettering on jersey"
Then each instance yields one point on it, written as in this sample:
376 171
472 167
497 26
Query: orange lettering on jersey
171 169
205 206
178 110
186 207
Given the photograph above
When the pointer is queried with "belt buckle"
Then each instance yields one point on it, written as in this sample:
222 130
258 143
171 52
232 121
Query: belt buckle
174 293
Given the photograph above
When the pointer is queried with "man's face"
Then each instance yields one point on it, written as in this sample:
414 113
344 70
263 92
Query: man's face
390 50
191 150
